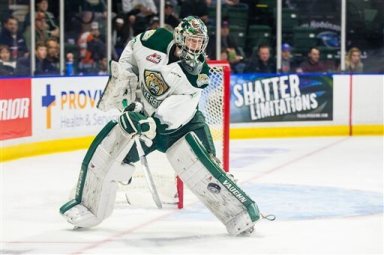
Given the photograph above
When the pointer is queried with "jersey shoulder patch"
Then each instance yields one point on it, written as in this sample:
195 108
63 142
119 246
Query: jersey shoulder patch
147 34
158 39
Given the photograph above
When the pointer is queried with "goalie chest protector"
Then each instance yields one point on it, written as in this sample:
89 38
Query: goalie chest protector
158 79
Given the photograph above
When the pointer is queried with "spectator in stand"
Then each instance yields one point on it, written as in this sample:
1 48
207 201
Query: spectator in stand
42 33
53 52
224 55
92 50
286 63
42 65
81 23
50 20
86 63
53 28
147 6
99 10
197 8
260 61
99 7
95 45
139 13
120 36
7 67
228 44
170 17
154 23
41 26
11 37
103 67
313 64
353 62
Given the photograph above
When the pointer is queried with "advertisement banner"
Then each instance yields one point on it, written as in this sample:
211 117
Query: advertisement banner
68 105
15 108
269 98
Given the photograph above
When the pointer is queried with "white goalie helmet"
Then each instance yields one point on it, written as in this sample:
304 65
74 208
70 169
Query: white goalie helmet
191 36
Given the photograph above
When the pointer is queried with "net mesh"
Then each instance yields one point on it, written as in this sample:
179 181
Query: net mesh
211 104
137 193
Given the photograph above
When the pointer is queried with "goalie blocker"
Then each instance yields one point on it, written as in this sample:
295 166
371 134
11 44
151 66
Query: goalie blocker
235 209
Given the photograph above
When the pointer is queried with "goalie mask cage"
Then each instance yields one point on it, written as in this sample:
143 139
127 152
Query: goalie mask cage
214 104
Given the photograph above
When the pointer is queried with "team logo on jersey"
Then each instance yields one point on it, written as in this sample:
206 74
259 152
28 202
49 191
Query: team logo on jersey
154 58
148 34
154 82
202 79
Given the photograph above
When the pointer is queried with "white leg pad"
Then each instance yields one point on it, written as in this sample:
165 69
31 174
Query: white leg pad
98 181
212 186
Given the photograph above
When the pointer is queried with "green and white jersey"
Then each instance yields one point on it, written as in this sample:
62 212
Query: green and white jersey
167 91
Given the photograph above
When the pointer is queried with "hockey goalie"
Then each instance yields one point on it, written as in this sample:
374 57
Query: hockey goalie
157 85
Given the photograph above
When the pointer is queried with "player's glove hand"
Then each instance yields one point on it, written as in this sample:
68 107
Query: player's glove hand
136 123
135 107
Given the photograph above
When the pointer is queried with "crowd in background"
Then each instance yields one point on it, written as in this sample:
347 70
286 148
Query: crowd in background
85 37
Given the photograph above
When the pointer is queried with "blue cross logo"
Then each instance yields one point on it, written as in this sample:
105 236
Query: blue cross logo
48 99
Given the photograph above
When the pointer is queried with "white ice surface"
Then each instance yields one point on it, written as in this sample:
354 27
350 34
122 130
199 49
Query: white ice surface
327 194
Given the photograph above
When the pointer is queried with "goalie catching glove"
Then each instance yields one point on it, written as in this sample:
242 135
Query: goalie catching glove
136 123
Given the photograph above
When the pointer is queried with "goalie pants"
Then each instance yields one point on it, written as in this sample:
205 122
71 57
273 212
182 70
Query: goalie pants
163 141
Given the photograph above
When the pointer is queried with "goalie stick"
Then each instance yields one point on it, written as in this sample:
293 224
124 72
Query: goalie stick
119 90
147 172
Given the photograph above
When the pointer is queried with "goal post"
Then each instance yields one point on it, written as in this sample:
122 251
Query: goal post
220 75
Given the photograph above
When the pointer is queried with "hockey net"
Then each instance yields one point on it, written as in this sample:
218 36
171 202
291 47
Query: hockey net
214 104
